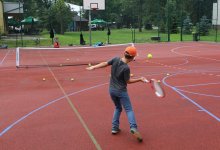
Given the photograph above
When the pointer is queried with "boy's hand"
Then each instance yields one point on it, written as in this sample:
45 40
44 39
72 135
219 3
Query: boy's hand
90 68
143 79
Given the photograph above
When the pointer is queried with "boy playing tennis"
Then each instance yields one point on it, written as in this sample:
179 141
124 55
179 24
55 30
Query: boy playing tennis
120 77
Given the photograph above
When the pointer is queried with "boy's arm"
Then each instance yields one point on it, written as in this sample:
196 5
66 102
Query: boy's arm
134 80
100 65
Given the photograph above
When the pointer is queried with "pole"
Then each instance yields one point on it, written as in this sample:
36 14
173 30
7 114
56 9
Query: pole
134 36
181 29
158 19
21 24
80 23
168 21
132 26
216 27
20 17
16 39
90 33
200 3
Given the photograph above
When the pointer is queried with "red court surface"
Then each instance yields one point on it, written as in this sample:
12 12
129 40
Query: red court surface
60 114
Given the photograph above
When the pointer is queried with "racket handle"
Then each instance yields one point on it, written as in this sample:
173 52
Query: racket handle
146 81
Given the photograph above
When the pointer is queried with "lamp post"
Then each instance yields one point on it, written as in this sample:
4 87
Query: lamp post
80 15
168 20
216 28
158 20
90 30
181 29
19 2
199 17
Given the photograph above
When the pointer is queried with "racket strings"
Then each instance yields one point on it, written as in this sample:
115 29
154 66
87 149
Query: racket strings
158 89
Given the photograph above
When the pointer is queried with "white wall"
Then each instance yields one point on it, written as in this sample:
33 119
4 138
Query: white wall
215 16
13 7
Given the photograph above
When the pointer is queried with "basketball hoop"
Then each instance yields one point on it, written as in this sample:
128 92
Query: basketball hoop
94 6
94 9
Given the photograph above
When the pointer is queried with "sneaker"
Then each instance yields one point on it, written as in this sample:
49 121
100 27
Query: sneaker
115 130
136 134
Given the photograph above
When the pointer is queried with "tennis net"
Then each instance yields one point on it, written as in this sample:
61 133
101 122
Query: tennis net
57 57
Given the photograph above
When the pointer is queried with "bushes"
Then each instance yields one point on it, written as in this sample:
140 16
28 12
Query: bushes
187 26
203 26
148 26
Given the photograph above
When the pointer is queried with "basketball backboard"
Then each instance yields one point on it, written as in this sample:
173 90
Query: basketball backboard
94 4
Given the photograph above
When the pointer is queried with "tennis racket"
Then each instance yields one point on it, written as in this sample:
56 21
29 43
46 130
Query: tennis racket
157 88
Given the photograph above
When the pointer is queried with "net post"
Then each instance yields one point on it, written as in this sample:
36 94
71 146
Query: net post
17 57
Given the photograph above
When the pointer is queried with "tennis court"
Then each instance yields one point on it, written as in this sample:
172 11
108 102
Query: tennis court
47 104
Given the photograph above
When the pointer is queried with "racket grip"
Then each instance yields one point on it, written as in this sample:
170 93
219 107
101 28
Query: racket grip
146 81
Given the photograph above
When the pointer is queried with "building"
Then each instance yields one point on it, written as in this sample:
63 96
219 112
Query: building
216 14
2 22
9 10
78 23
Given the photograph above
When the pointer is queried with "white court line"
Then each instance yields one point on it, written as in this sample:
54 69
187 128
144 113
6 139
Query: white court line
174 51
195 93
1 62
44 106
72 48
201 108
198 84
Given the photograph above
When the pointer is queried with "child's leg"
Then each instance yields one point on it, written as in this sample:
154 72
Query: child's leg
125 101
118 109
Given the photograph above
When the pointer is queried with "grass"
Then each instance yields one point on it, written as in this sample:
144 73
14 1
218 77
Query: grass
117 36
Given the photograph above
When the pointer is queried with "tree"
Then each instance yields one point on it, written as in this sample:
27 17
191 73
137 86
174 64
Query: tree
127 12
171 15
187 25
60 15
140 12
203 26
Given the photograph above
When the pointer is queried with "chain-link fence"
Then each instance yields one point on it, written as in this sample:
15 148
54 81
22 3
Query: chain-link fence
174 23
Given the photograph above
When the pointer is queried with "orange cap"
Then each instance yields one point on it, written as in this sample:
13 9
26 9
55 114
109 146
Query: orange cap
131 50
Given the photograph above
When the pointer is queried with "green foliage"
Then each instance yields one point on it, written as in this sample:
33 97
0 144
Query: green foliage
148 26
171 15
187 26
162 13
152 13
174 27
118 36
203 26
51 13
162 27
60 16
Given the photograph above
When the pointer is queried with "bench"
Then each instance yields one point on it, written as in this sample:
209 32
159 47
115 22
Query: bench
155 38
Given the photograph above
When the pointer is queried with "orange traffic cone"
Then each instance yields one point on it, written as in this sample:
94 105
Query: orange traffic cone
56 45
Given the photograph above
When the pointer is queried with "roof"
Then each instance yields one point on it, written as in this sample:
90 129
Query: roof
77 18
75 8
